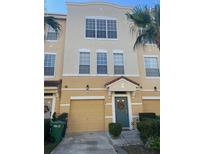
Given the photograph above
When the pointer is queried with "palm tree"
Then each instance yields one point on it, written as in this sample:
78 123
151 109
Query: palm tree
148 20
51 21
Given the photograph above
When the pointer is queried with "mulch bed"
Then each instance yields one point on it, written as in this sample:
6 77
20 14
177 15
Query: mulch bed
138 149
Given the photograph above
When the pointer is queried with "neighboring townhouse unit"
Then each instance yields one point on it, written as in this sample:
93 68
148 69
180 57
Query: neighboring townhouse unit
103 78
53 65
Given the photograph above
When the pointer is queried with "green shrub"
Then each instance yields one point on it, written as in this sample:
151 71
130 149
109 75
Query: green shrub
153 143
115 129
46 129
148 128
146 116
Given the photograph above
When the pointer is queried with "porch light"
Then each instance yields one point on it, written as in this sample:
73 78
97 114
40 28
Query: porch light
87 87
155 88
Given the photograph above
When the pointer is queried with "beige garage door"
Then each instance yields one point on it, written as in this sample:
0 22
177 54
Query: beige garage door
86 116
151 106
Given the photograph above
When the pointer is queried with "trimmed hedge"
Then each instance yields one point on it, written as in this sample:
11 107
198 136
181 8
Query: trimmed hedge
149 128
115 129
146 116
46 129
153 143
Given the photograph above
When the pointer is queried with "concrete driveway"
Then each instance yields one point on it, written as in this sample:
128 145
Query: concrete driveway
85 143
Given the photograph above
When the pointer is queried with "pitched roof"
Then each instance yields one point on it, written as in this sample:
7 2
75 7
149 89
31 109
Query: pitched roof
121 77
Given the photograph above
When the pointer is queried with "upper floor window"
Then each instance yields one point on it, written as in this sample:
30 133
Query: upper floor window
49 64
151 66
118 63
51 34
101 63
84 66
101 28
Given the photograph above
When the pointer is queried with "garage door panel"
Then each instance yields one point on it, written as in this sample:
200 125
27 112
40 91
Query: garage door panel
86 115
151 106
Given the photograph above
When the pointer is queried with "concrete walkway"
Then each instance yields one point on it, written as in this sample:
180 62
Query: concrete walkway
130 137
85 143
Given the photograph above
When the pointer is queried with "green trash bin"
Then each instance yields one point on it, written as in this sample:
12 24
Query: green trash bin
57 128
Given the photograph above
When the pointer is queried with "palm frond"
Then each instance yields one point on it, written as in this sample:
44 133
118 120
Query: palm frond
51 21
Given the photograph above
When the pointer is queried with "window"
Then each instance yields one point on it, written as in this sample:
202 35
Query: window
118 63
101 28
84 67
90 28
101 63
51 34
151 66
49 64
111 29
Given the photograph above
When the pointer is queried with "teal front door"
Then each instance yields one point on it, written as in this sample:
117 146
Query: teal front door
121 111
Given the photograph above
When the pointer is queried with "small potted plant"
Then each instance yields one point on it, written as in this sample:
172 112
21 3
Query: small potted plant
115 129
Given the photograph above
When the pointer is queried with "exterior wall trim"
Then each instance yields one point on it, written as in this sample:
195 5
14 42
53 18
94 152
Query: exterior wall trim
150 97
101 75
86 97
108 117
64 104
137 103
79 89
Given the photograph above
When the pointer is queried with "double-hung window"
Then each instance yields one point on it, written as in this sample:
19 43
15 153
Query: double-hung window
151 66
101 28
49 64
90 28
118 63
84 66
111 29
51 34
101 63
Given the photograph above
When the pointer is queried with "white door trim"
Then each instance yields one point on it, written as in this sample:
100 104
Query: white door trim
53 103
129 107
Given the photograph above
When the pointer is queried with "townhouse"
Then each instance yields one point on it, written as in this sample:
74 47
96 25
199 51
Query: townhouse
93 73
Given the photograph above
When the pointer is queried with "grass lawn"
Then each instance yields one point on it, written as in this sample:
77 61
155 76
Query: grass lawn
138 149
48 147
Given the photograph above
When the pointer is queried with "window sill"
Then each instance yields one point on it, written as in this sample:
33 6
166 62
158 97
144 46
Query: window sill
49 77
101 39
150 77
52 41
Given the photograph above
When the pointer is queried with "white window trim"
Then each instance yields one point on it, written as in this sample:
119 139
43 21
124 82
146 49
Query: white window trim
101 51
100 17
52 41
86 97
118 51
129 108
151 56
104 18
51 76
83 50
